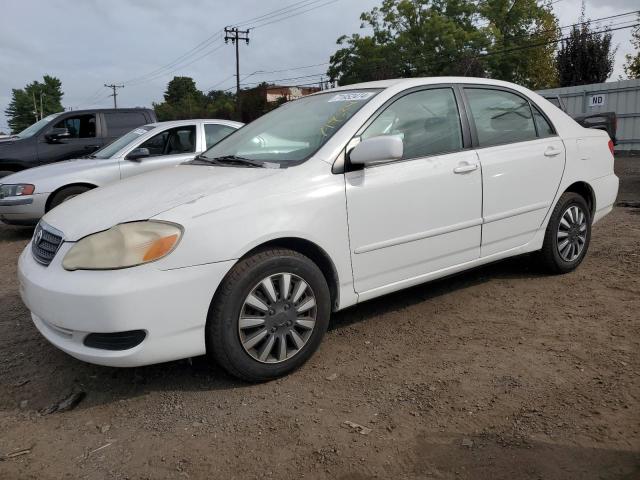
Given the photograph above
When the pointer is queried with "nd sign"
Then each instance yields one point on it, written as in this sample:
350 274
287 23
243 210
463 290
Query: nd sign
597 100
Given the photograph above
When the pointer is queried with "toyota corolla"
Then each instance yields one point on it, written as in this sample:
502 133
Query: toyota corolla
327 201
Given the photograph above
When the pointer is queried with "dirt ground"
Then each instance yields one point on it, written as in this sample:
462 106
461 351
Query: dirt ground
503 372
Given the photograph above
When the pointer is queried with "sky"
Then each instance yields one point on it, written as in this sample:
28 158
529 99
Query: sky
87 43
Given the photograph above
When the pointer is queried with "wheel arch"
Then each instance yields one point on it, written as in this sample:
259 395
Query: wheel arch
585 191
315 253
47 206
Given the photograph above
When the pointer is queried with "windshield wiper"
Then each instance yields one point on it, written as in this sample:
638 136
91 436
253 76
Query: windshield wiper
232 160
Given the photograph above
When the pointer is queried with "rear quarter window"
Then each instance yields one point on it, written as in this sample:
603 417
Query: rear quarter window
119 123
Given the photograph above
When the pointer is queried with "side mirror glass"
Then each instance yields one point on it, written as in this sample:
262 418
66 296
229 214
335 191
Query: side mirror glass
58 134
374 150
138 154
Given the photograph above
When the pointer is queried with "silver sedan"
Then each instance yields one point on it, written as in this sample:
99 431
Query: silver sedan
27 195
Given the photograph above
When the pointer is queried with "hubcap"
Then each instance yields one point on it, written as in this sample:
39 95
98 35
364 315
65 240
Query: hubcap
277 318
572 233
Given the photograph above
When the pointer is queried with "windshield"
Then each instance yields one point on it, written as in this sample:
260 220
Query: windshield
120 143
35 128
294 131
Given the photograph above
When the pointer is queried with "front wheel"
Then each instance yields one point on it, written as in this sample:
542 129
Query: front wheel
568 234
269 315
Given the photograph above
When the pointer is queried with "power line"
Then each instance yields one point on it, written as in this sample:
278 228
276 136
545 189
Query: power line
294 15
276 12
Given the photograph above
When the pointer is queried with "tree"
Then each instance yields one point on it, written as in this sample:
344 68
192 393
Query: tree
632 66
452 37
586 56
21 110
412 38
182 100
514 27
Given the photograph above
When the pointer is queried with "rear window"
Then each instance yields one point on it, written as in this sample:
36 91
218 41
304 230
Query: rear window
119 123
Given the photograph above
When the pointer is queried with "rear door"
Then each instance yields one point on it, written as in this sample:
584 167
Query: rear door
522 161
420 214
117 124
84 139
167 148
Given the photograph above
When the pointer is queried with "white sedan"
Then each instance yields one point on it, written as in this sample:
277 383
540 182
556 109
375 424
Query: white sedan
27 195
325 202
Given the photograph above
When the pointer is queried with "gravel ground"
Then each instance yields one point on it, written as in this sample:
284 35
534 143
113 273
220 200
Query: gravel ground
500 373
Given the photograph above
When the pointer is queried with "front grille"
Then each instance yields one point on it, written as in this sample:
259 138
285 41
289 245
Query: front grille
46 242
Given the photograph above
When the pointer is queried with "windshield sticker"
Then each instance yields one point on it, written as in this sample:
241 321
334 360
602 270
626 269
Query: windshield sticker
349 97
337 119
139 131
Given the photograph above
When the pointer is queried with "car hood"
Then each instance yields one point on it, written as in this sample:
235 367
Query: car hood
145 196
42 176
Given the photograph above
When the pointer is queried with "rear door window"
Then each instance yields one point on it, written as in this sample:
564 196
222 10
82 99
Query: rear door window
544 127
500 116
119 123
213 133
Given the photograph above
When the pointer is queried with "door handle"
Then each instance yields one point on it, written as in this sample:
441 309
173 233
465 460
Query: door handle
552 152
465 167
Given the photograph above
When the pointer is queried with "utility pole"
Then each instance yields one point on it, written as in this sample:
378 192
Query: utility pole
41 110
114 94
35 107
235 35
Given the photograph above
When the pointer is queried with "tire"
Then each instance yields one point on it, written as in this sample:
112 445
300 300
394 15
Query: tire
558 256
65 194
229 342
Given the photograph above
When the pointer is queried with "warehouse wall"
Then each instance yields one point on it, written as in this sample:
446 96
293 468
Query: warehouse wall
622 97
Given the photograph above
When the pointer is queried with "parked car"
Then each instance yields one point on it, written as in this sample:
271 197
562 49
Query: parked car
65 135
26 196
353 193
606 121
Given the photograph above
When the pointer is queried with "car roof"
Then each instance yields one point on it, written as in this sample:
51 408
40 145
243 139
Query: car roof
108 110
411 82
178 123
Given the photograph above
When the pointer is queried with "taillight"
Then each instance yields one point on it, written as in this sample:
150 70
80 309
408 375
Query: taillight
611 146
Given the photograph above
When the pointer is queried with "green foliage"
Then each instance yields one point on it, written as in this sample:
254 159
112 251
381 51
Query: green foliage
585 57
21 110
632 65
514 27
182 100
412 38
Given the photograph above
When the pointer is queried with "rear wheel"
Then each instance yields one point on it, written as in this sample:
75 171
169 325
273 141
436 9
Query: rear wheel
568 234
269 315
67 194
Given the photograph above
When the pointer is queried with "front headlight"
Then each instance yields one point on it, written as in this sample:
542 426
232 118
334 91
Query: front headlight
18 190
122 246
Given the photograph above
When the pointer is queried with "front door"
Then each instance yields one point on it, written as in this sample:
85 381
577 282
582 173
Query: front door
82 141
420 214
168 148
522 162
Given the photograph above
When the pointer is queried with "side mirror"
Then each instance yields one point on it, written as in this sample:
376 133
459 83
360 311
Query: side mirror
377 149
57 134
137 154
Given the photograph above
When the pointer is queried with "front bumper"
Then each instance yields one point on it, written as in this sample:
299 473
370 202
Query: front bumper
171 306
25 210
